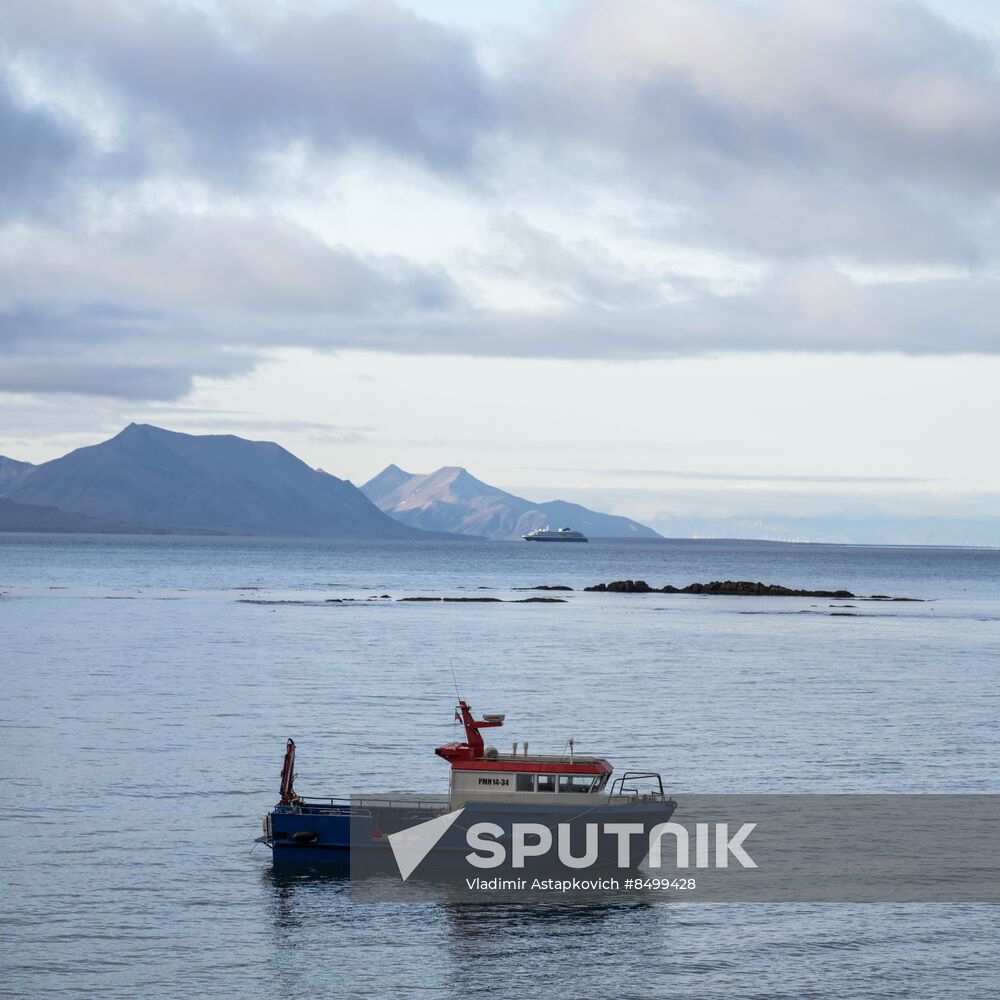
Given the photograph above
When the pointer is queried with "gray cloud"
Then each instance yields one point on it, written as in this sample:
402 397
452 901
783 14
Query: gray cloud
865 127
37 152
107 351
785 135
216 265
869 128
185 321
810 308
139 312
814 307
123 379
575 272
218 93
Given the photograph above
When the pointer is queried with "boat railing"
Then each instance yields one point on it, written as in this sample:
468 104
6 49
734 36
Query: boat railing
621 791
637 798
376 802
544 758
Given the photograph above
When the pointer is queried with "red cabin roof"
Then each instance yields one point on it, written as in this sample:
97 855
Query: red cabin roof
470 755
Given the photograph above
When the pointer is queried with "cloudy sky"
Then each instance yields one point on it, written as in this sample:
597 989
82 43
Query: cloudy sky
705 262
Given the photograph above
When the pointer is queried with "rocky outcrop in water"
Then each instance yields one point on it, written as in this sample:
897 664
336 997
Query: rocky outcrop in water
733 588
625 587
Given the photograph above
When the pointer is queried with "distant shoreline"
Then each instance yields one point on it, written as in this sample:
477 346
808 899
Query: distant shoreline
147 531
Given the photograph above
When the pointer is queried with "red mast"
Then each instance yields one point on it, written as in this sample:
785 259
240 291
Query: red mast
472 748
288 775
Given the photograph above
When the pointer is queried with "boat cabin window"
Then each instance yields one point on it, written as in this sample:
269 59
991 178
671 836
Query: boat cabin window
575 782
560 782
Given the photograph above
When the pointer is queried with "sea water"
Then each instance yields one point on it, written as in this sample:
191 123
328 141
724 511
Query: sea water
149 684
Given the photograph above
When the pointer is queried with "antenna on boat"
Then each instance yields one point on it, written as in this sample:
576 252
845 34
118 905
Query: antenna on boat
451 663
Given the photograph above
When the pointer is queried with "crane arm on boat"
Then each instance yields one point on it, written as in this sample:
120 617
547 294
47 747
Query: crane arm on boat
288 775
473 746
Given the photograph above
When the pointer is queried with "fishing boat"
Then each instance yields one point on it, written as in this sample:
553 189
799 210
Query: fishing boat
484 784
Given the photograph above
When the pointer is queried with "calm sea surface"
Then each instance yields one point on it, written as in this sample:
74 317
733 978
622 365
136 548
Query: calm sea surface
146 704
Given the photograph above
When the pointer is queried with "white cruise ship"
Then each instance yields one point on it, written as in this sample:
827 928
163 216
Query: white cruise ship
548 535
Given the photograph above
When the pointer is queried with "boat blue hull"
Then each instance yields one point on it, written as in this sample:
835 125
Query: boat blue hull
310 836
313 856
317 835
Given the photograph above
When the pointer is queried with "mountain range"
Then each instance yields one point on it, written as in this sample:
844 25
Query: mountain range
163 479
453 500
149 479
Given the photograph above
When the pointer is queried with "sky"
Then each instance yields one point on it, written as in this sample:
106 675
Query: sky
726 266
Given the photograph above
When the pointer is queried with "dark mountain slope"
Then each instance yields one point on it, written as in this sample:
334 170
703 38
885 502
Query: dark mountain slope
152 476
11 471
28 517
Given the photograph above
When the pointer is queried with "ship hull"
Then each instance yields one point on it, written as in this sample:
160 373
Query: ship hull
334 837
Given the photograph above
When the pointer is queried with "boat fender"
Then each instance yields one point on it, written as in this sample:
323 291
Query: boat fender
305 836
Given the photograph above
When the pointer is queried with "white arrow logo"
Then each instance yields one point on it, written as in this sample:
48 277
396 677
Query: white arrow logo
411 846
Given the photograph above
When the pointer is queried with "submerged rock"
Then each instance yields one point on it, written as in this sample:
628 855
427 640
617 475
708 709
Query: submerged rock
489 600
624 587
457 600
